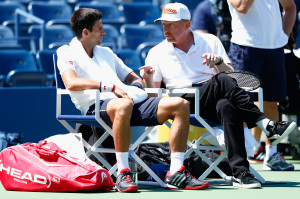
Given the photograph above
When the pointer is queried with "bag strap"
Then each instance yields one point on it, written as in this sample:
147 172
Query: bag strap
45 148
50 149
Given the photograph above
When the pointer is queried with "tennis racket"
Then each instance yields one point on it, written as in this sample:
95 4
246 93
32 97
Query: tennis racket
247 80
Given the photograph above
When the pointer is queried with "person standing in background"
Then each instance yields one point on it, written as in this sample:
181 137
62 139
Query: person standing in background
259 33
203 21
212 16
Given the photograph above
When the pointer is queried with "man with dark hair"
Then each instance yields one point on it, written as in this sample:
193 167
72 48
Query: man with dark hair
84 64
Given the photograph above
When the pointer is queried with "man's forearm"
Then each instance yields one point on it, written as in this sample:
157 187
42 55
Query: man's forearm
149 84
224 67
289 17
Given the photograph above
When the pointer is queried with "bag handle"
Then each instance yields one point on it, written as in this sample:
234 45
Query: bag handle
48 149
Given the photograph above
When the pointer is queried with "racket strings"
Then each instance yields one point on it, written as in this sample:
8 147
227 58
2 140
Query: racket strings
246 80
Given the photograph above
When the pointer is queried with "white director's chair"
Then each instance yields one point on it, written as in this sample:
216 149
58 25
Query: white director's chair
198 121
95 120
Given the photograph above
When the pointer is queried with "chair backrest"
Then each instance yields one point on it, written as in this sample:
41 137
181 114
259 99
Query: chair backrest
136 1
6 36
54 35
16 59
50 10
26 78
133 34
45 60
191 4
58 80
7 10
136 12
109 11
111 38
143 49
130 59
24 38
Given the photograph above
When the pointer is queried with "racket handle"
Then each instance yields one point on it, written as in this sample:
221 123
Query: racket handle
179 85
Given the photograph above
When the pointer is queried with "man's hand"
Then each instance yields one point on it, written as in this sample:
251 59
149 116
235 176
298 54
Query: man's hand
146 72
210 59
121 94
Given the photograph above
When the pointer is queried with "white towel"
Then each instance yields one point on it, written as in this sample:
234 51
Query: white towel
105 71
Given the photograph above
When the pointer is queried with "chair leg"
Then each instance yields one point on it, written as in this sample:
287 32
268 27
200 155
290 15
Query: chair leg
96 154
94 150
67 126
141 138
257 175
140 161
113 170
212 165
150 172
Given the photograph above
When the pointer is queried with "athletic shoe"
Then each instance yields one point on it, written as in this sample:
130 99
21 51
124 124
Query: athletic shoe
259 155
124 182
246 180
182 179
277 163
279 130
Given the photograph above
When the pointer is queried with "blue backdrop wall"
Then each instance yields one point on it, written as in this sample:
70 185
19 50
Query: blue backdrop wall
32 112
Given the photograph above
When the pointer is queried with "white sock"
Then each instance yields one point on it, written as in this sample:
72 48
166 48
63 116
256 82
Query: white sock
270 150
122 161
263 125
256 147
176 162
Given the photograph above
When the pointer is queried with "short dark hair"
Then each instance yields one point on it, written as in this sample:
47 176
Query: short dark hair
84 18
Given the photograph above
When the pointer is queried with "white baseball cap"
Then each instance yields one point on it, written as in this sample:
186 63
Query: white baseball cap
174 12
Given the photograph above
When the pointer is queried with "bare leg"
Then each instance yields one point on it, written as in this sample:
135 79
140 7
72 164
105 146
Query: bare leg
119 111
179 109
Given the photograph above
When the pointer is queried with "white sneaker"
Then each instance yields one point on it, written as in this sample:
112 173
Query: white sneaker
276 163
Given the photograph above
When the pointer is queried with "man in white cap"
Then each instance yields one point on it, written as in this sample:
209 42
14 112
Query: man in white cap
188 56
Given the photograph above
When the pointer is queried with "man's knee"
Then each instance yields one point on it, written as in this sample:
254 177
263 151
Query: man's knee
171 106
224 106
120 107
181 105
222 77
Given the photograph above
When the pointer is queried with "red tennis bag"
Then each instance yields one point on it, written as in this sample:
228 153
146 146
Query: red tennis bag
46 167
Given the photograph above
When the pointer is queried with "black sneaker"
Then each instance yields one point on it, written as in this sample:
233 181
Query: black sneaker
259 155
279 130
124 182
246 180
182 179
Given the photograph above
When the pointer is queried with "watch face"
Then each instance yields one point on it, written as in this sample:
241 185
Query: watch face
220 62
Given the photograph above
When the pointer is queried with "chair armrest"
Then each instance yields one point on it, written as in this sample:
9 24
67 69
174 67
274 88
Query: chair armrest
56 45
88 91
84 92
97 93
154 91
196 91
180 90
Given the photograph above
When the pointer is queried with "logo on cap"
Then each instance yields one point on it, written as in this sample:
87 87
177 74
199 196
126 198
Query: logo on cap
169 11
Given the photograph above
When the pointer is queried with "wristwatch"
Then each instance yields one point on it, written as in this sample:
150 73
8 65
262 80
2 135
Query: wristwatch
220 62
